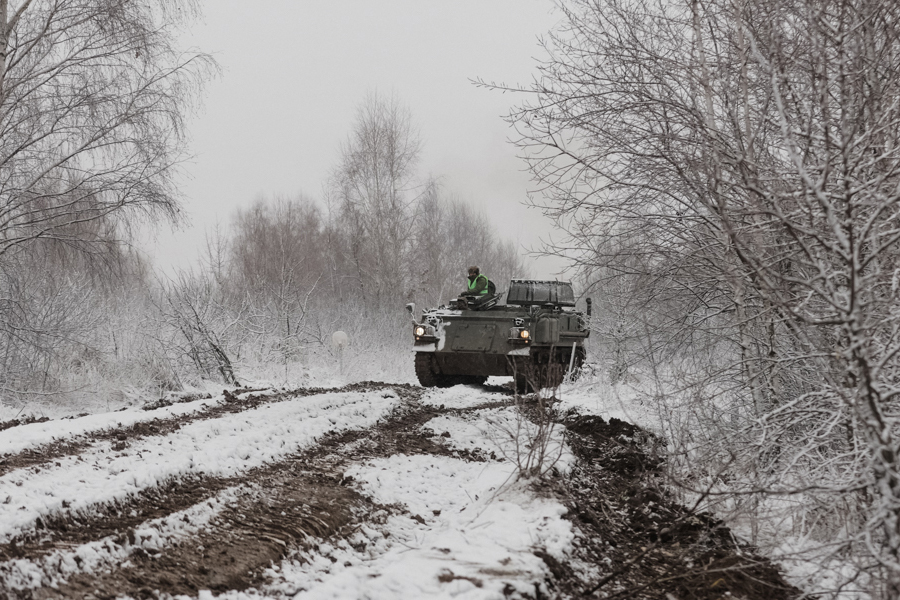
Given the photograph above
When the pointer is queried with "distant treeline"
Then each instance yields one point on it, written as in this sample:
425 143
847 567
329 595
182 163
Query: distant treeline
82 310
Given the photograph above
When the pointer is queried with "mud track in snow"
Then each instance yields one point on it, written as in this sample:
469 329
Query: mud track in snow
175 494
123 436
645 543
279 507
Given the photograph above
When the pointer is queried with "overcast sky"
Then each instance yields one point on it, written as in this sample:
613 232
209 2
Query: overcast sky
294 72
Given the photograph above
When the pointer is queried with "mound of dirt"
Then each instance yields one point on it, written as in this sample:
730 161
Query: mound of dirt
649 545
22 421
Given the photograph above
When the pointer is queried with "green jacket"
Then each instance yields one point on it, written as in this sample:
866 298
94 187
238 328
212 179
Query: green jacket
477 286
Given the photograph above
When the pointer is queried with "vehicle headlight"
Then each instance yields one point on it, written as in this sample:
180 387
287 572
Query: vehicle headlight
524 334
420 331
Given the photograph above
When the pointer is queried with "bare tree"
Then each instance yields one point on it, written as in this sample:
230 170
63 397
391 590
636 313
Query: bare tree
194 306
53 297
46 326
402 237
92 105
731 171
450 235
375 187
277 262
93 100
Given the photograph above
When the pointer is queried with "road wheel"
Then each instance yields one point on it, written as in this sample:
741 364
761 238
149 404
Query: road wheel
538 376
425 370
552 375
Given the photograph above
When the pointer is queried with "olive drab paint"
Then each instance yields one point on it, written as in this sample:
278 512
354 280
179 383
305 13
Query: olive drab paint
537 337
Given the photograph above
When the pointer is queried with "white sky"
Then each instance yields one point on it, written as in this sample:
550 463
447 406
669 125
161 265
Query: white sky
294 72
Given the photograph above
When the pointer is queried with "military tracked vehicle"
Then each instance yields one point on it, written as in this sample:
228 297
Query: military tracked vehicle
537 337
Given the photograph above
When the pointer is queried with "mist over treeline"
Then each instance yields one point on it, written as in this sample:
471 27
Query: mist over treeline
95 99
268 290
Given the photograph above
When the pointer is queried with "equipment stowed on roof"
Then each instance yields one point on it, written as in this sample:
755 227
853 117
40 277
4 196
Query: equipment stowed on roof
528 292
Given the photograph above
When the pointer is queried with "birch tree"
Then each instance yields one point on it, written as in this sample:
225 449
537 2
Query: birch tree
375 188
93 101
732 170
93 97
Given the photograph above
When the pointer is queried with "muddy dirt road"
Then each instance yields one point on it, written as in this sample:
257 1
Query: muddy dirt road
373 490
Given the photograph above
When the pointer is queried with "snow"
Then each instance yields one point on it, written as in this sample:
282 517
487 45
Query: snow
812 567
504 432
219 447
456 529
620 401
32 435
469 529
470 532
153 535
461 396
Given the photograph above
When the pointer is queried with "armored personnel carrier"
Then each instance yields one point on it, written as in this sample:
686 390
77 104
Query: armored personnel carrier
536 337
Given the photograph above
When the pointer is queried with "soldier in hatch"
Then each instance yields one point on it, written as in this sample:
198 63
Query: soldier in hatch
477 285
478 289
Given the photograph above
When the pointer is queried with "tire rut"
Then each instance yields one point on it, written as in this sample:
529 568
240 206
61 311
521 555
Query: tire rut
281 507
122 437
645 544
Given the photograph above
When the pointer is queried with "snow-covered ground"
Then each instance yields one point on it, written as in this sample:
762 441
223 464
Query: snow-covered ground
221 446
471 529
472 534
153 535
468 529
462 529
32 435
623 402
